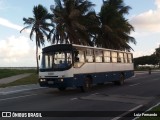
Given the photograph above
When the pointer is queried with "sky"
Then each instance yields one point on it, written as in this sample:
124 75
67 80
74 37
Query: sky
17 50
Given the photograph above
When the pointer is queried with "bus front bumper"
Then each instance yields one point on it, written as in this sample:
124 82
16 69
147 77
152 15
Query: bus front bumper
56 82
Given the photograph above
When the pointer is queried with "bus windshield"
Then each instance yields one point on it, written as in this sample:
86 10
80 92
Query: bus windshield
56 61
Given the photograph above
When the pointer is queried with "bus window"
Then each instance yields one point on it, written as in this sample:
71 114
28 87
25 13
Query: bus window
47 61
98 55
129 58
125 57
81 56
79 59
76 58
114 57
120 58
56 60
89 55
107 56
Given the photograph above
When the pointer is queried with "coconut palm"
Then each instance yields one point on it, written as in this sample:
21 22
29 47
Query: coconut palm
115 29
75 22
40 26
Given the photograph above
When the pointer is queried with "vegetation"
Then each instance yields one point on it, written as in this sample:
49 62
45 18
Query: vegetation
154 110
75 21
150 60
157 53
11 72
153 59
32 79
115 29
39 25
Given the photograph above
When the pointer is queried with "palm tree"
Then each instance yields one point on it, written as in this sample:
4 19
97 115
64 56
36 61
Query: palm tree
40 26
115 29
75 21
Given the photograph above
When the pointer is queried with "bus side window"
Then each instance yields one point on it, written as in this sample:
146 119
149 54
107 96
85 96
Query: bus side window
129 58
89 55
76 58
120 57
79 58
98 55
107 56
125 57
114 57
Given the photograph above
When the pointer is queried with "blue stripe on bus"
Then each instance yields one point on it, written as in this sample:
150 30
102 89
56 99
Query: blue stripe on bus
78 79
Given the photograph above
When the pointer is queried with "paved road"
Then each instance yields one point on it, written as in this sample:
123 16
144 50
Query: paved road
139 92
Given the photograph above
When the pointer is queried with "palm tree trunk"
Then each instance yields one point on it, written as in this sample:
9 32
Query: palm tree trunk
37 58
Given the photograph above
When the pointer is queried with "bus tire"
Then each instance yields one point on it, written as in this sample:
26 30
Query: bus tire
120 81
87 84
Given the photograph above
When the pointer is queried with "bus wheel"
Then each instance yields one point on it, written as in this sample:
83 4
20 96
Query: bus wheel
120 81
87 84
62 88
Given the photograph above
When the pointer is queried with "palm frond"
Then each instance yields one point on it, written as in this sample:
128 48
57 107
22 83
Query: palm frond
25 28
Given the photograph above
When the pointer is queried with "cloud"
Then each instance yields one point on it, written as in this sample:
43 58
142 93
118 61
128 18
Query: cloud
143 53
157 2
7 23
147 31
148 21
17 51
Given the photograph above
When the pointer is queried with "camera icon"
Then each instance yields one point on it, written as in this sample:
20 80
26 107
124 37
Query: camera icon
6 114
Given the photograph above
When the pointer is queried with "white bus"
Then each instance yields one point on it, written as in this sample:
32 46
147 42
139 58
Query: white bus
70 65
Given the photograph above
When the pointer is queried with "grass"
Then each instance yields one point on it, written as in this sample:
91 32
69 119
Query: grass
32 79
154 110
10 72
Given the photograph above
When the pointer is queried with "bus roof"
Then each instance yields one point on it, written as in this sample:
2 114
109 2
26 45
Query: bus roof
61 47
99 48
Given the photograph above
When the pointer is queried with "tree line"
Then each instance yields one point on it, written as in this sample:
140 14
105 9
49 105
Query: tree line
153 59
76 22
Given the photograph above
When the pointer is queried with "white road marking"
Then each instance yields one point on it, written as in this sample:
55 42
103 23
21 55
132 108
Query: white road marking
95 94
74 98
134 84
144 82
17 97
131 110
148 110
20 90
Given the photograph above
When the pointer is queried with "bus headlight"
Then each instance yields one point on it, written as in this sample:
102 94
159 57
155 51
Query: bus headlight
42 80
61 80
